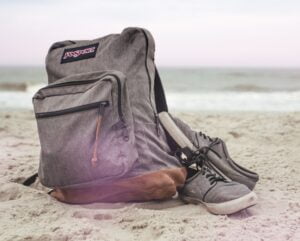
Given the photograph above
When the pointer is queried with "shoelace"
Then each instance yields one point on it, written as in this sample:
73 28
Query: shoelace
212 177
200 159
203 135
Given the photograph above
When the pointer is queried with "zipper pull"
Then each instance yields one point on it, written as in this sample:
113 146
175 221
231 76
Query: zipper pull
94 159
157 125
125 133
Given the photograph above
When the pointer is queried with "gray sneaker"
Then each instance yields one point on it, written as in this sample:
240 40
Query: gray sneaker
221 162
218 195
218 156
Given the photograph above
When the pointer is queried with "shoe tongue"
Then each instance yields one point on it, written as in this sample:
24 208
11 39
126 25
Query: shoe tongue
191 172
206 169
204 141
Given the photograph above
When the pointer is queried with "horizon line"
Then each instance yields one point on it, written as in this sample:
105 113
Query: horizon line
182 66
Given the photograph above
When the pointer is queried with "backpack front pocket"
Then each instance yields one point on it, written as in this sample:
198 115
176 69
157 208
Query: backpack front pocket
85 129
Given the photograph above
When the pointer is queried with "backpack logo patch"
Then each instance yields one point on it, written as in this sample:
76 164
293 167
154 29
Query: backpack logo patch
79 53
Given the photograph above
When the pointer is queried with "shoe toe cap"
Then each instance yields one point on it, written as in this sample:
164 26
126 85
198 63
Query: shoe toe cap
224 192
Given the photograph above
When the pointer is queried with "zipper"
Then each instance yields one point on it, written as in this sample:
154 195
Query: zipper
71 110
121 116
81 82
94 160
154 112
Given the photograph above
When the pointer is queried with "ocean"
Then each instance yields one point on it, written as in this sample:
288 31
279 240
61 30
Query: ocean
187 89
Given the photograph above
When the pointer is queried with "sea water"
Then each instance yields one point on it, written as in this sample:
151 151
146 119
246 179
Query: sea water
186 89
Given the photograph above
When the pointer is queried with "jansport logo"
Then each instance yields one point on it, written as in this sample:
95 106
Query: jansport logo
79 53
75 54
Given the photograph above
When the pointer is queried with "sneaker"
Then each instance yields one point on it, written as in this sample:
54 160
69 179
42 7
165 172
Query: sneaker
217 194
214 149
218 156
221 162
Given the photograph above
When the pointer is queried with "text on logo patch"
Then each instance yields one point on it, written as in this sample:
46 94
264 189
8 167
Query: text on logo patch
79 53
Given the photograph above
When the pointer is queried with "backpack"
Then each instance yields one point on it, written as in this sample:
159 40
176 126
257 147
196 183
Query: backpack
103 116
97 118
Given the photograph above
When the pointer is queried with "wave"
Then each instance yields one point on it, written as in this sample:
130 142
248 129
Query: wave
234 101
282 101
12 99
248 88
13 86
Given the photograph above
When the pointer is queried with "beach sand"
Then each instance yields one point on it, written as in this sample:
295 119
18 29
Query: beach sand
268 143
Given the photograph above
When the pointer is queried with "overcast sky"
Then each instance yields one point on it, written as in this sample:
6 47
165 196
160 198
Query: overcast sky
187 33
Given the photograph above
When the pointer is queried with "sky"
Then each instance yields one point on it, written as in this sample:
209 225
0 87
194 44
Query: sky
231 33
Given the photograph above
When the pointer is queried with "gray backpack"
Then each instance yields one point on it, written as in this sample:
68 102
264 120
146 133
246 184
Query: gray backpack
103 116
97 118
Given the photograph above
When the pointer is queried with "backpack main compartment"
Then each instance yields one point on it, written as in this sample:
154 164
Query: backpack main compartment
131 55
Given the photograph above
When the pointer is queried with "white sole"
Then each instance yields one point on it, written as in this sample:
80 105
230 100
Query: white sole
228 207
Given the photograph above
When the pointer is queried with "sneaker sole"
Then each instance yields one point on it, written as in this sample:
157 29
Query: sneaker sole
228 207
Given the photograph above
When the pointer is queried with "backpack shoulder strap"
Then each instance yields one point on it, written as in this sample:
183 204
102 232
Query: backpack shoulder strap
160 98
30 180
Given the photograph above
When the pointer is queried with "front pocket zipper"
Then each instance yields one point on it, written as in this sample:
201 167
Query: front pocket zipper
120 112
71 110
78 82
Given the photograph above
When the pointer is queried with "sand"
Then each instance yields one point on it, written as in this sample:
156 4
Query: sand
267 143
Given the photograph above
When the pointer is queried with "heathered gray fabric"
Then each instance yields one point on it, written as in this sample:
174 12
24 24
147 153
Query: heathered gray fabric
199 187
67 141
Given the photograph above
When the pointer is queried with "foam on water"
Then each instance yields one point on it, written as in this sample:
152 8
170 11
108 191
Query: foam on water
234 101
210 101
187 89
18 99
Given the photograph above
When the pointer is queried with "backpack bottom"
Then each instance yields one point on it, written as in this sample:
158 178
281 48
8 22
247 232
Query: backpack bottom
157 185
